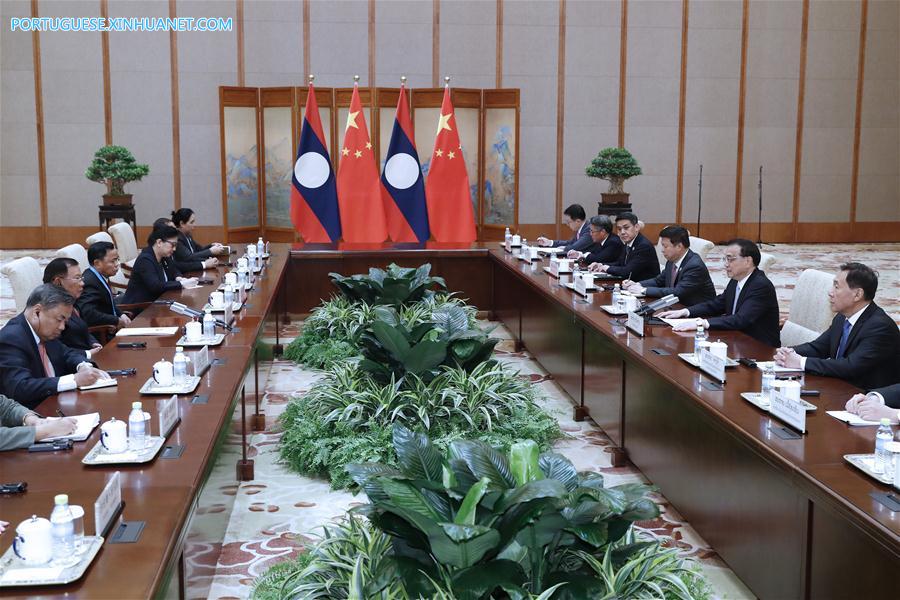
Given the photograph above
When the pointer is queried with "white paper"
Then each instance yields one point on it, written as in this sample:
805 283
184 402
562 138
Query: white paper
762 366
674 322
86 424
136 331
558 250
851 419
48 574
100 383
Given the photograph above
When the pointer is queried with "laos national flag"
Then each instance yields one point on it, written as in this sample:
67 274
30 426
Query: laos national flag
314 202
404 203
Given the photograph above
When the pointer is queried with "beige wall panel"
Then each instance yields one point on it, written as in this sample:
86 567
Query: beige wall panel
19 201
273 43
339 42
15 46
776 14
468 44
881 103
773 148
877 200
653 193
403 37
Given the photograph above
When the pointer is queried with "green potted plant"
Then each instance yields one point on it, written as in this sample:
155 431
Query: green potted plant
615 165
114 166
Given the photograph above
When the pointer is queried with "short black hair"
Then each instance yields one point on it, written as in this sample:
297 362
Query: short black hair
748 248
861 276
677 235
98 250
575 212
48 296
165 232
182 215
162 222
58 267
602 222
627 216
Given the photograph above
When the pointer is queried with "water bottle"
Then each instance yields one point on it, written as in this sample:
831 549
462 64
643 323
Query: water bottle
179 365
507 236
616 295
63 529
228 294
882 456
768 379
136 427
699 338
209 324
260 248
242 279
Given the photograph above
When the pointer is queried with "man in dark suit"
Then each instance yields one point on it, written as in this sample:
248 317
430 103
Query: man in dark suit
97 303
150 276
34 364
637 260
66 274
685 274
574 219
748 304
605 246
190 255
877 404
862 345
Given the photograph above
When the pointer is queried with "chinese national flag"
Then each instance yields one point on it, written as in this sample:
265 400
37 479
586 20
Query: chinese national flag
358 183
450 213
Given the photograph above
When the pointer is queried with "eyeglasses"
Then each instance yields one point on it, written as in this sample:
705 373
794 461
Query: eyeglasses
171 243
731 259
76 278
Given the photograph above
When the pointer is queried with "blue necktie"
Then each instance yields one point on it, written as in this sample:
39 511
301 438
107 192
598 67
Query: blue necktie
842 346
737 294
112 299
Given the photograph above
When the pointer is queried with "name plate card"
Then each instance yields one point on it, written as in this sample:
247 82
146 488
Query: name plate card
168 414
712 365
580 286
788 409
636 322
107 504
201 362
554 267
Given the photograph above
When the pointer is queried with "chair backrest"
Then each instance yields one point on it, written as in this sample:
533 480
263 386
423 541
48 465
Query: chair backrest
100 236
76 252
24 275
698 245
767 260
126 243
810 307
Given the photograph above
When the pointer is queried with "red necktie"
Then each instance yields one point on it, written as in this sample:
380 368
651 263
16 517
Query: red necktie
48 366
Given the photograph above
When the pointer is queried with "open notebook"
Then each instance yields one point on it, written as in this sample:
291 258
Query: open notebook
86 424
134 331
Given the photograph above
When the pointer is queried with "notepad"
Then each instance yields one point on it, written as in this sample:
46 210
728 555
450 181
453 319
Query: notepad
100 383
674 322
850 418
762 367
86 424
136 331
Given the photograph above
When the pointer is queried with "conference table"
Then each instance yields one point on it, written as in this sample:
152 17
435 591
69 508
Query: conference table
789 516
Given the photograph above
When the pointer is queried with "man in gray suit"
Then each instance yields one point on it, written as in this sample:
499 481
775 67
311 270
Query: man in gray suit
21 427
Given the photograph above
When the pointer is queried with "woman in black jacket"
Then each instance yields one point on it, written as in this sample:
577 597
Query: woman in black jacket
149 275
189 255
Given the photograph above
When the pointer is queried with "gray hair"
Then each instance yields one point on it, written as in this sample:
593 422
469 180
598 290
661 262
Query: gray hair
602 222
48 296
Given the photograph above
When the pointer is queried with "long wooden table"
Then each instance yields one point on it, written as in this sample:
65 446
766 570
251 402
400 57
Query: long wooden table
164 492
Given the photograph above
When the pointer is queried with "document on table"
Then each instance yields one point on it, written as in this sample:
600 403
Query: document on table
558 250
850 418
762 367
674 322
86 424
136 331
100 383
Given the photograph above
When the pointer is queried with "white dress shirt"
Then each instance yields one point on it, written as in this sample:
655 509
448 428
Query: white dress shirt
852 319
66 382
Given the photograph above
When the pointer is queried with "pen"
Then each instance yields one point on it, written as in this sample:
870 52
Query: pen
60 413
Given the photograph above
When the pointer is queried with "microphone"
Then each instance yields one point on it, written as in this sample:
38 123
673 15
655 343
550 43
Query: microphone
181 309
656 305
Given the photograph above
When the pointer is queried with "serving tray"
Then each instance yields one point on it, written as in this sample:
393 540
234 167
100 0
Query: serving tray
97 456
14 572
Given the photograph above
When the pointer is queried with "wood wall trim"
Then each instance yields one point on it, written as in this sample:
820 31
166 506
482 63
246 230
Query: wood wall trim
857 120
371 43
306 43
239 29
682 93
560 113
435 42
107 77
499 57
176 115
39 125
801 94
742 105
623 59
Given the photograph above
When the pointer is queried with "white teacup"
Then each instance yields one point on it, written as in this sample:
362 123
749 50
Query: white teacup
719 349
231 279
251 249
217 299
532 252
114 436
588 279
34 541
632 303
193 331
163 373
788 387
516 240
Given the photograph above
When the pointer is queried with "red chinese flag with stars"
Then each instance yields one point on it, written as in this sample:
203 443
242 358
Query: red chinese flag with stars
450 212
358 181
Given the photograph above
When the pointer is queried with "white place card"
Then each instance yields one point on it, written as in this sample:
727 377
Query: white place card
580 287
201 361
713 365
788 409
636 323
107 503
168 414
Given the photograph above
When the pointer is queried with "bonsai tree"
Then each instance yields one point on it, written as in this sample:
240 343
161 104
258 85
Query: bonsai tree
615 165
115 166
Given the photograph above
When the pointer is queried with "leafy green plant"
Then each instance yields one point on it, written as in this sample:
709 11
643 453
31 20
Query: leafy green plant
615 165
395 286
482 521
114 166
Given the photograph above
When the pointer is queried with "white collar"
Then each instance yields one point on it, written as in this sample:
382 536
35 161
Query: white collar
740 284
37 340
855 316
581 228
681 260
631 243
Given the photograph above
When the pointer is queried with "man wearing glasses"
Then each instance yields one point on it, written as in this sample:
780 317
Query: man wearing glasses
66 274
748 304
97 303
149 276
574 219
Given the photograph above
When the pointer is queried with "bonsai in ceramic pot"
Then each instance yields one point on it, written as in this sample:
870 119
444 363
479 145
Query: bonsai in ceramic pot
114 166
614 165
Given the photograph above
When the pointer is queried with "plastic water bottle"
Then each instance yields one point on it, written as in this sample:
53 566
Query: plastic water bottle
63 529
616 295
228 293
507 236
260 248
179 365
209 324
768 379
242 278
136 427
699 338
882 456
